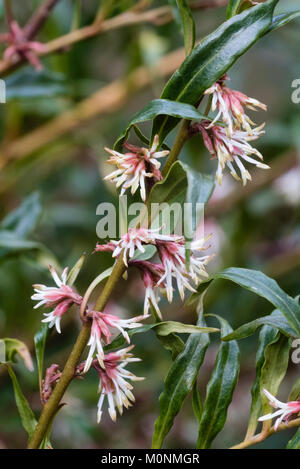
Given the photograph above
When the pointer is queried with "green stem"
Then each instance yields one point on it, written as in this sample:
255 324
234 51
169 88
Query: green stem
180 140
265 434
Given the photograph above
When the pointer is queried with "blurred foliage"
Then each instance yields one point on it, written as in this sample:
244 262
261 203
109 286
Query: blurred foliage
61 185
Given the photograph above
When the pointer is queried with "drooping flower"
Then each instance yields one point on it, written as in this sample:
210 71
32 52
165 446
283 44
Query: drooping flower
173 258
134 167
21 47
230 105
231 151
61 298
286 410
151 274
134 239
101 322
113 381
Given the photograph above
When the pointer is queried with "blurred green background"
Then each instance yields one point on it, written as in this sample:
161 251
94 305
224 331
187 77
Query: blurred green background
62 181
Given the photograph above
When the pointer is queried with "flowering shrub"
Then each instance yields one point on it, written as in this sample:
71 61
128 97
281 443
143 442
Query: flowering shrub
198 99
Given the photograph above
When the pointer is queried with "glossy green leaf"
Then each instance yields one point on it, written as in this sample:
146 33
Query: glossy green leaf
12 347
219 390
267 336
160 107
40 342
276 319
162 329
172 190
264 286
215 54
181 185
168 327
27 416
179 382
187 22
294 443
233 8
273 371
197 402
199 190
281 20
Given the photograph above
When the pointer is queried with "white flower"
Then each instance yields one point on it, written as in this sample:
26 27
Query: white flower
100 330
230 105
61 297
233 150
113 382
286 409
173 258
132 241
135 166
151 274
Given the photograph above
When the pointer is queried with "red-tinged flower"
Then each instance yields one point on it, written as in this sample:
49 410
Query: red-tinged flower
20 47
230 105
101 324
151 274
134 167
173 258
51 377
285 412
61 298
232 151
114 382
134 240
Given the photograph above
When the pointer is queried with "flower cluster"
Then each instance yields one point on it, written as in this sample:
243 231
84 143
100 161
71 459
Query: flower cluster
61 298
113 384
134 167
230 105
101 324
172 253
232 150
230 144
285 410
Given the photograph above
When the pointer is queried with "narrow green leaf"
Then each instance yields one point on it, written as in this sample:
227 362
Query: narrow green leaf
199 190
27 416
160 107
273 372
276 319
294 443
264 286
40 342
187 22
179 382
219 389
233 8
162 329
172 190
212 58
283 19
197 402
168 327
267 336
